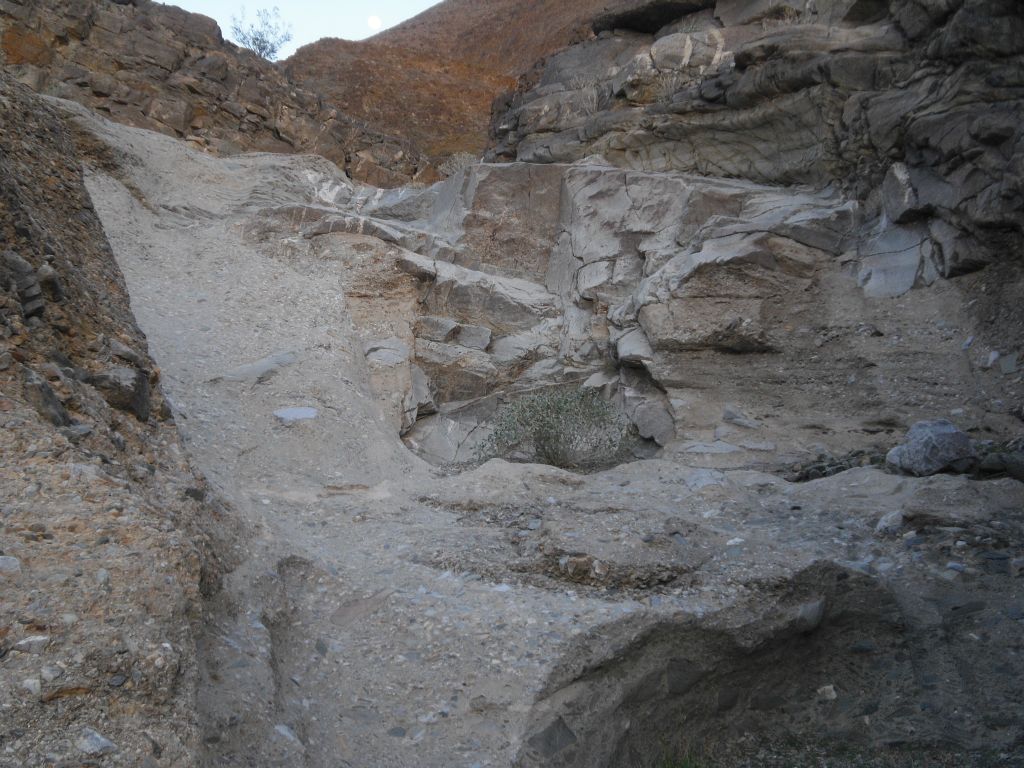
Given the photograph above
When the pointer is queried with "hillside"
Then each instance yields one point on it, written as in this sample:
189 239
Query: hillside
447 65
158 67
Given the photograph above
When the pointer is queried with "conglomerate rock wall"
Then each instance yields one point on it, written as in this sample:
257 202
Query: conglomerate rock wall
156 66
102 559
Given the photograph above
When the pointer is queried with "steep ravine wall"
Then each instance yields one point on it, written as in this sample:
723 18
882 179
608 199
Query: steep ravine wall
103 550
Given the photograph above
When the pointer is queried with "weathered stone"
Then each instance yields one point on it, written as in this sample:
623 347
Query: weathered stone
473 336
174 113
899 196
41 395
441 329
553 739
932 447
93 743
26 283
387 352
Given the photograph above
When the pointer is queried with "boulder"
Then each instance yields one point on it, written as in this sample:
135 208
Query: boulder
932 447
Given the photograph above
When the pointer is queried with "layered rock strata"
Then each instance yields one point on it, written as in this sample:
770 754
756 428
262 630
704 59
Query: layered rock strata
913 108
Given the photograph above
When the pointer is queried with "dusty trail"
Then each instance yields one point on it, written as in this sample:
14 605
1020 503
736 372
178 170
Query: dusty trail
380 614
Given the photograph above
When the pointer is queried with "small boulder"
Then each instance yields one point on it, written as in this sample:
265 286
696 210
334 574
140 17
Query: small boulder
42 397
932 447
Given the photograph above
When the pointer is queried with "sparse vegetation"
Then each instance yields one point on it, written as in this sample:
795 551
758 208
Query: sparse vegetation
587 89
669 85
568 428
460 161
265 36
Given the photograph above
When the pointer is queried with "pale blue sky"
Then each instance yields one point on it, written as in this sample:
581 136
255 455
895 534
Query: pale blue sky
312 19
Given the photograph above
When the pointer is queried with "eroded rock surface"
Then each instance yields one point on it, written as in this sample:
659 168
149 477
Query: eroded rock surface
906 104
747 272
386 614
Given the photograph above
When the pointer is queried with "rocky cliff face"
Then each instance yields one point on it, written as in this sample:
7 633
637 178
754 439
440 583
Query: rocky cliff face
388 614
909 106
155 66
448 63
101 558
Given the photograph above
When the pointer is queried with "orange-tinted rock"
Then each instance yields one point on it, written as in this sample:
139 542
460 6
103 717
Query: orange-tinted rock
25 47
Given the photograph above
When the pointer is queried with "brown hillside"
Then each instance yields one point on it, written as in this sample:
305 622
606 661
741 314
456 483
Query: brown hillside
447 65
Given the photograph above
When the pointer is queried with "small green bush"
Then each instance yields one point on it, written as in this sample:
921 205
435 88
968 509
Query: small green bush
567 428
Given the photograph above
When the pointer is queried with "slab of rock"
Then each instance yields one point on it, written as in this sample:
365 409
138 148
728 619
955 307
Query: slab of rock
261 370
387 352
932 447
93 743
126 389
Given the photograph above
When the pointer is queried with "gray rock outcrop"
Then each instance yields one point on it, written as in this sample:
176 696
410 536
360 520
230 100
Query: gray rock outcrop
908 106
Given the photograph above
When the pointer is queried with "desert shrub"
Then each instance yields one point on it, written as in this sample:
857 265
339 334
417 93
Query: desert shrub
568 428
460 161
669 85
265 36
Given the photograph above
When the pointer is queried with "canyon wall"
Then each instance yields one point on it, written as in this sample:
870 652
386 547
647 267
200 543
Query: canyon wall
103 556
156 66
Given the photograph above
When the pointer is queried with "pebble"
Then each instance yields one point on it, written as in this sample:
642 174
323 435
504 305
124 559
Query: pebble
958 567
827 693
10 566
287 732
93 743
33 685
51 673
890 523
32 644
103 577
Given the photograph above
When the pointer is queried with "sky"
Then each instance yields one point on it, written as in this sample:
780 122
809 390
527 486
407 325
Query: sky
311 20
